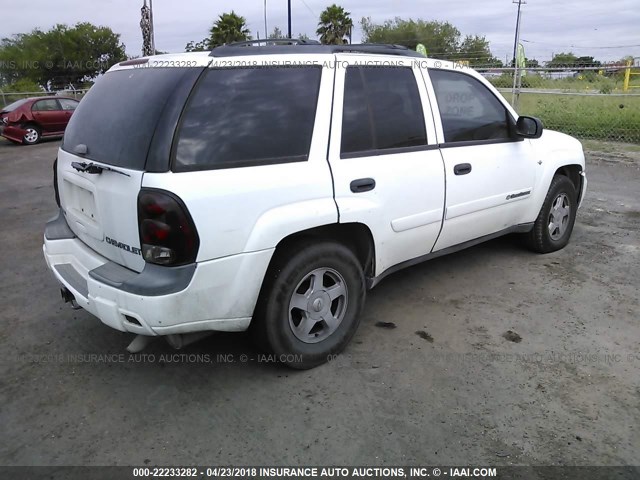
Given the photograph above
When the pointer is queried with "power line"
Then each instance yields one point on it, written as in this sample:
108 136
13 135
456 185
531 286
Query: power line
577 46
309 8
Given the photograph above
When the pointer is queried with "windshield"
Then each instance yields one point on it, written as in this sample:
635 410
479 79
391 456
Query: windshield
12 106
117 118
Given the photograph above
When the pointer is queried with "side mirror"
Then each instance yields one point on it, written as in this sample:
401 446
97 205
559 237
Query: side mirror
529 127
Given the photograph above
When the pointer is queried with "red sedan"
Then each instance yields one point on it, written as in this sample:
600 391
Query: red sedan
28 120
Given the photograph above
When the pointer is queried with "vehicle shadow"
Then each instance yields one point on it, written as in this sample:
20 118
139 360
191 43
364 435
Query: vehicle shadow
236 351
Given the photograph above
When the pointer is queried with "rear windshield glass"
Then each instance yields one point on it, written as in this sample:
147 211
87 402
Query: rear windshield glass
12 106
118 116
249 116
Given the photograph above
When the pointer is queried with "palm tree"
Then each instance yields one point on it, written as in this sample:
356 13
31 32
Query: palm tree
228 28
335 24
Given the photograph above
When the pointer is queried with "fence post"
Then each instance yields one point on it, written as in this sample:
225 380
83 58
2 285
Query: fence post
627 76
4 100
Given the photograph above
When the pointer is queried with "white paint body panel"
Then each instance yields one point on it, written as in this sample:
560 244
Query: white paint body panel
241 214
479 203
221 295
101 206
404 210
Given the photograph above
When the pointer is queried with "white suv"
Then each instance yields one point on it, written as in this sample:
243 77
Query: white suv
269 187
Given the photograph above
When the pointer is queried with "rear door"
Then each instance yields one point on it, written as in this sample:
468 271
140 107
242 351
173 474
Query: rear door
388 171
127 117
47 113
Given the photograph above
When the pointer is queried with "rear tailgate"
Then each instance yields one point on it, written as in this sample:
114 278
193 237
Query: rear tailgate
125 123
101 209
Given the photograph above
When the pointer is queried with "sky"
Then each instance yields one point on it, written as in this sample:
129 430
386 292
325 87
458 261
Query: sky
584 27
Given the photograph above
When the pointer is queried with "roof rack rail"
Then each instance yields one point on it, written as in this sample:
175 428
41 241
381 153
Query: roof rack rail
292 46
273 41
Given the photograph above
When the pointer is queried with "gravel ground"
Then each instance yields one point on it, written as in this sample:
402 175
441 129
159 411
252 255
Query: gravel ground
490 356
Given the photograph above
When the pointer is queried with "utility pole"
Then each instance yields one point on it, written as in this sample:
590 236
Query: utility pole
289 11
153 35
515 91
266 32
146 25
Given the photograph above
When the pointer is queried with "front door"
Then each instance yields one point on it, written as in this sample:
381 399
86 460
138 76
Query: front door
490 173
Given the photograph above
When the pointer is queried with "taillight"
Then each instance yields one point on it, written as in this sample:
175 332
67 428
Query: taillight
167 233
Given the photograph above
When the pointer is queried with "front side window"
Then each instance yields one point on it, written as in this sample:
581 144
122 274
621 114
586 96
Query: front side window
48 105
468 109
381 111
249 116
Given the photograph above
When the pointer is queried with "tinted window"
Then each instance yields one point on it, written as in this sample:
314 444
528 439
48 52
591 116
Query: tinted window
249 116
469 110
12 106
68 104
382 110
49 105
117 118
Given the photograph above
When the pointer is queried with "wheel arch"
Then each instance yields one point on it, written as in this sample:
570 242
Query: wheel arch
569 169
356 236
572 172
33 123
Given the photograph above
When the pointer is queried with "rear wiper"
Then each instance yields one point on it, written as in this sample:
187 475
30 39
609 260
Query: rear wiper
94 169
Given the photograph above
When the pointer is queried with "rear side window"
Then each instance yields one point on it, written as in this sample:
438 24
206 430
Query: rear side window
469 110
15 105
382 110
249 116
117 118
68 104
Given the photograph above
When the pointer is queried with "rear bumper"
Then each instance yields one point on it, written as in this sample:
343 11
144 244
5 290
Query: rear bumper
12 132
218 295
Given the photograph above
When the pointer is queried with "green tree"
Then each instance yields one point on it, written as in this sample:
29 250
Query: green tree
441 39
200 46
587 61
277 33
563 60
528 62
334 26
475 49
61 56
531 63
227 29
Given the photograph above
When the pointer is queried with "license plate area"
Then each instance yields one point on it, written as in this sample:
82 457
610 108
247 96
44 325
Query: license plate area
81 206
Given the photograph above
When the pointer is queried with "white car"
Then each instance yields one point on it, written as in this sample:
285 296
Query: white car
269 187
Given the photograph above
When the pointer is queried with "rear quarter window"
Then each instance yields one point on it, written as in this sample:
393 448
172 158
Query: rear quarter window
117 118
248 116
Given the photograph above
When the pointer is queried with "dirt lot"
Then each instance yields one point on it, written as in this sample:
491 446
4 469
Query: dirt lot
443 387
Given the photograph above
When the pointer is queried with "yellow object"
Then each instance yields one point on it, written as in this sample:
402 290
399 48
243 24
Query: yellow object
627 76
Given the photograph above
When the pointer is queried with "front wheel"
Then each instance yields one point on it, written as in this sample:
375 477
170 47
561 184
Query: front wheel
554 224
311 303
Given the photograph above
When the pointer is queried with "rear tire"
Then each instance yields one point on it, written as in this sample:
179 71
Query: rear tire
310 304
554 225
33 135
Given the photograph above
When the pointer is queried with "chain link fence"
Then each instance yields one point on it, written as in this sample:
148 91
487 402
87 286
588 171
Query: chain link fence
589 102
598 116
